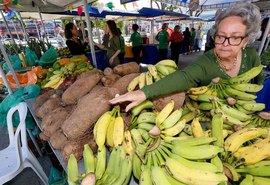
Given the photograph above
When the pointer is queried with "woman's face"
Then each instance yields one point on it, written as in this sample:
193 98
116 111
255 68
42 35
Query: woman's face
233 28
74 31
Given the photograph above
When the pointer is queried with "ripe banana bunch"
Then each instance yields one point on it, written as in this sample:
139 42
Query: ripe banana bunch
198 90
154 73
261 168
237 139
261 119
219 85
55 81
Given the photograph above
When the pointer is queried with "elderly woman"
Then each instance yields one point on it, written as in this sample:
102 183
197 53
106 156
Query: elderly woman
235 27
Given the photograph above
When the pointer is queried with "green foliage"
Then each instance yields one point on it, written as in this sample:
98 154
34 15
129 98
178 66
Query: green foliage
120 25
265 57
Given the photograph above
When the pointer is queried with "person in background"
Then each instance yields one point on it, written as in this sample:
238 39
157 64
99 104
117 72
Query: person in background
121 55
176 40
73 43
60 39
163 38
192 39
136 40
235 27
186 41
111 44
198 39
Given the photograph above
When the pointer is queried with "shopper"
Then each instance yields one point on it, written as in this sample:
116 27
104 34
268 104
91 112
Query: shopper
235 27
121 55
163 38
192 40
186 42
112 44
136 43
60 39
74 44
176 40
198 39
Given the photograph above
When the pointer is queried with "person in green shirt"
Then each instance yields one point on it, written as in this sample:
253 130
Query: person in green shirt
163 38
112 44
234 28
121 55
136 40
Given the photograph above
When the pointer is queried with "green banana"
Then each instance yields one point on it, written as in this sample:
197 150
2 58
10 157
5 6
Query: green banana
172 119
253 88
230 111
239 94
246 76
231 120
145 178
254 107
242 102
248 180
176 129
164 113
163 70
88 159
144 105
205 97
146 126
148 117
261 180
158 176
125 172
217 129
257 170
73 170
136 166
196 164
100 162
241 109
192 176
195 141
218 163
206 106
145 135
234 175
167 62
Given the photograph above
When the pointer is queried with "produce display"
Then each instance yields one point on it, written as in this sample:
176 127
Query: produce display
217 135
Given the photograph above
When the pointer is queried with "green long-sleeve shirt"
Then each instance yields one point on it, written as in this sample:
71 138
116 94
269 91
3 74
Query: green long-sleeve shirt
201 72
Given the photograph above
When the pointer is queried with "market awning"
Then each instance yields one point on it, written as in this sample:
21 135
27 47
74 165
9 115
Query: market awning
151 12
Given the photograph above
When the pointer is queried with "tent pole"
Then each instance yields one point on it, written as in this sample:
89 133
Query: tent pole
82 28
3 76
3 50
97 30
37 30
45 33
90 35
6 24
264 37
267 43
16 32
23 28
152 31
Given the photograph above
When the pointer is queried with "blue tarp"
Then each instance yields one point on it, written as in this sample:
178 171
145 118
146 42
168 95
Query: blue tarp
151 12
144 12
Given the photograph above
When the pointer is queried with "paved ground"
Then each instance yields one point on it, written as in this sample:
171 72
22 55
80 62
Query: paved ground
28 177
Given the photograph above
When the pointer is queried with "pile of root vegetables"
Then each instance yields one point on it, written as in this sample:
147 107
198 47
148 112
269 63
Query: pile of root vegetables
68 117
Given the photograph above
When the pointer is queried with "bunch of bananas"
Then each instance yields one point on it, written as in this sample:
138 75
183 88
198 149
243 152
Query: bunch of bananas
261 119
55 80
63 52
154 73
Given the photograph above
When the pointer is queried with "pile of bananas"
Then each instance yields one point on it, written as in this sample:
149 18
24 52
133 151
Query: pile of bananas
56 75
154 73
63 52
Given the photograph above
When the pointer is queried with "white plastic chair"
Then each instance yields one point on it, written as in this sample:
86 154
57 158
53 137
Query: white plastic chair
17 155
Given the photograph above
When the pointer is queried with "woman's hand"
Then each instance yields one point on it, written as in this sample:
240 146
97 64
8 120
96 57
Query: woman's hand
111 60
135 97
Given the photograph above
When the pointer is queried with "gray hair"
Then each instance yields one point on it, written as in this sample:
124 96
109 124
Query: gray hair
250 15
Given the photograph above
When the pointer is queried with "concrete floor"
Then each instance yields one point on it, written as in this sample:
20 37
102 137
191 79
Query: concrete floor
27 176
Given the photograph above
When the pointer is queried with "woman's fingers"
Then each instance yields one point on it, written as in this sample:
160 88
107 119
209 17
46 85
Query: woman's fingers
131 105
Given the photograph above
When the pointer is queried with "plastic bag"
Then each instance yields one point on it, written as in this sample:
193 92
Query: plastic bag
15 62
12 100
56 177
48 58
31 57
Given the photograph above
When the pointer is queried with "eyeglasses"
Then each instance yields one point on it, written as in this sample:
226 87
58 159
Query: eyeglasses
233 41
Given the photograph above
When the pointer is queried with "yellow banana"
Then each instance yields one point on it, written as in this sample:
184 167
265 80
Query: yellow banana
230 111
53 82
176 129
172 119
148 78
168 62
163 70
142 80
152 70
118 132
247 87
133 84
127 143
197 90
109 134
101 162
73 170
100 129
196 127
164 113
56 86
239 94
